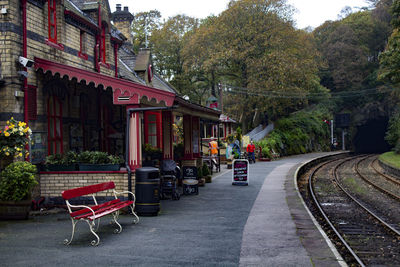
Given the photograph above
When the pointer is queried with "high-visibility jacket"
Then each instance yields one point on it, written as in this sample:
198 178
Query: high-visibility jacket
213 145
251 148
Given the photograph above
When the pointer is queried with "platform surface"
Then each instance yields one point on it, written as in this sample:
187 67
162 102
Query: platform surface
262 224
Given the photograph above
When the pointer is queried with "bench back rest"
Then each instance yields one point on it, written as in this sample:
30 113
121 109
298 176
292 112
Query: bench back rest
87 190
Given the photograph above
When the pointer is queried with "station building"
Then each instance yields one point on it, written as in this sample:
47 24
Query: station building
68 69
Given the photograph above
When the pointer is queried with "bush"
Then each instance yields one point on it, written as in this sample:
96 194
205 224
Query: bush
205 170
68 158
17 181
14 138
296 134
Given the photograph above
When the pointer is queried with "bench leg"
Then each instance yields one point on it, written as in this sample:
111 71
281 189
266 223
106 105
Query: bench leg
91 226
66 241
136 219
115 218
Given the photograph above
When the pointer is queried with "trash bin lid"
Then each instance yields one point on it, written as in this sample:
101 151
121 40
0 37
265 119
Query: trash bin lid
190 181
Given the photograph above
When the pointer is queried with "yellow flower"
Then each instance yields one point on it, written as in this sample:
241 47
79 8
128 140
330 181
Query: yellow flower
11 126
21 124
7 154
25 130
6 134
20 154
21 133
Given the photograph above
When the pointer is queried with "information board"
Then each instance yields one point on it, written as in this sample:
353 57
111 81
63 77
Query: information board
38 148
240 172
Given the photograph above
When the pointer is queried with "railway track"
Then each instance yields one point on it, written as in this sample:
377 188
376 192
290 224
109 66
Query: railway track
366 237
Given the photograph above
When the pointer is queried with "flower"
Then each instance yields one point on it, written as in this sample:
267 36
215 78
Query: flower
14 138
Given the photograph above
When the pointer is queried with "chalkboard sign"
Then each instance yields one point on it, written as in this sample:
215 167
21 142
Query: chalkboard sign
240 172
189 172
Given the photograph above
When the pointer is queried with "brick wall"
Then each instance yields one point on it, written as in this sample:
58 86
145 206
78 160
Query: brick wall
51 185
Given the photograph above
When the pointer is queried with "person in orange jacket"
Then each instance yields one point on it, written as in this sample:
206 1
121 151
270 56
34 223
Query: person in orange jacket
250 151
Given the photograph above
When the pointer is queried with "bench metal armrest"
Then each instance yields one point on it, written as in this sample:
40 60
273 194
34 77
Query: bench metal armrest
80 206
125 192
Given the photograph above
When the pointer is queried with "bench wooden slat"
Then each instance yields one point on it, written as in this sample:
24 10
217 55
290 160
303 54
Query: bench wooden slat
84 210
87 190
105 210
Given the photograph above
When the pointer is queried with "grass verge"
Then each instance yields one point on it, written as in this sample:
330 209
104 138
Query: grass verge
391 159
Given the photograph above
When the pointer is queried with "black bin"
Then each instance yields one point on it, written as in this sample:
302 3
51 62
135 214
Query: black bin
147 191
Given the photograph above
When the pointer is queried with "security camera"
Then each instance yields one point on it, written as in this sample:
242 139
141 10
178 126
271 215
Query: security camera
25 62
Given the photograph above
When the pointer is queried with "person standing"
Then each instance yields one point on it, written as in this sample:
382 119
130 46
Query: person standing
250 151
213 148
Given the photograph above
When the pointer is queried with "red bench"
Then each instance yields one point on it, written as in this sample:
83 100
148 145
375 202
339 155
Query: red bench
93 213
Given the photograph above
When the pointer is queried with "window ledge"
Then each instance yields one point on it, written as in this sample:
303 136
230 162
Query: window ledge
105 65
55 45
83 56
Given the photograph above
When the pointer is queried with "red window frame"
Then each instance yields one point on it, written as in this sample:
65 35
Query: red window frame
82 46
52 13
54 138
158 124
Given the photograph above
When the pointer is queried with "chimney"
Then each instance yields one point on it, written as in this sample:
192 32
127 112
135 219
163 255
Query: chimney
122 21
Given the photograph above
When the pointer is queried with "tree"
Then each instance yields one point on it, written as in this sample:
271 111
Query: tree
167 43
143 25
390 58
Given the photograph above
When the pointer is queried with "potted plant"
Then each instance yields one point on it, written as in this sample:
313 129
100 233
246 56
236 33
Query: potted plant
98 161
206 173
58 162
265 154
16 183
200 177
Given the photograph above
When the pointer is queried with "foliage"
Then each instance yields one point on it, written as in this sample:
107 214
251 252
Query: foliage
350 48
205 170
148 148
14 138
238 135
143 25
299 133
199 173
167 43
17 181
98 157
64 159
393 132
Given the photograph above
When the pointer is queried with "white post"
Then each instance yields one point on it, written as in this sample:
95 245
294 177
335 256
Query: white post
331 132
343 144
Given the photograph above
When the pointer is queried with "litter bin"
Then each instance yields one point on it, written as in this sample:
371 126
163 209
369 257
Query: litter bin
147 191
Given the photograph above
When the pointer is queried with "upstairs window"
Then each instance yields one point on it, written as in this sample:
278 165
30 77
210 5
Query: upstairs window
52 19
82 48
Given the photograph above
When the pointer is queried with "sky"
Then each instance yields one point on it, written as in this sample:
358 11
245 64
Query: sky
309 12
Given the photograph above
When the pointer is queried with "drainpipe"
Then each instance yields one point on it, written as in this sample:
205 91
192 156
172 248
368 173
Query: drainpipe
25 54
116 59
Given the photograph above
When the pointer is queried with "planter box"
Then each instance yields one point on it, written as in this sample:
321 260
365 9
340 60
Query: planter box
15 210
264 159
98 167
60 167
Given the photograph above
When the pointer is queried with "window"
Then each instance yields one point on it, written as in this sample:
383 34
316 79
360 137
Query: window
52 25
82 48
52 12
152 126
54 125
